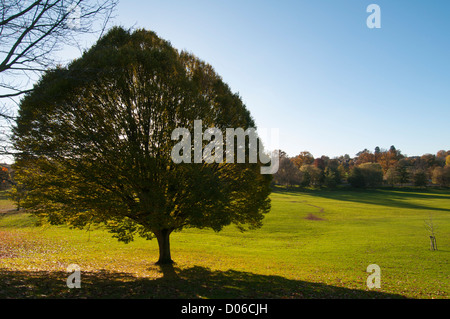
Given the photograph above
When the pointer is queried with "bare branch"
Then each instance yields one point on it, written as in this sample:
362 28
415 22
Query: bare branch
31 33
19 14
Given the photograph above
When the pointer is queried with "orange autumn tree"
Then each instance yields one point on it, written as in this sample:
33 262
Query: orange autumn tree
5 177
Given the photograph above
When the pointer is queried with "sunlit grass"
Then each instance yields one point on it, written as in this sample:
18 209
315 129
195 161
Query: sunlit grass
353 229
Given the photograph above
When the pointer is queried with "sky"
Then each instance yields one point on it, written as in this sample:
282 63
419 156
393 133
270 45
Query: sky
314 70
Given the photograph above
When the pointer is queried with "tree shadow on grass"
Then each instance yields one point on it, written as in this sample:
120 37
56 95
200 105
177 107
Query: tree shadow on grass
391 197
190 283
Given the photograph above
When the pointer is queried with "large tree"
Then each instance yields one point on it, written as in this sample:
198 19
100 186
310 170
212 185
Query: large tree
95 143
372 173
304 158
441 176
288 174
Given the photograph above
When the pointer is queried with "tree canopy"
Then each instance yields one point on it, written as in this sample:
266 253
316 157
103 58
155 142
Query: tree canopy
366 169
94 142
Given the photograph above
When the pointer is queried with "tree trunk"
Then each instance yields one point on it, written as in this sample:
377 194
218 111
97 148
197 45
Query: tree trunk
164 246
433 243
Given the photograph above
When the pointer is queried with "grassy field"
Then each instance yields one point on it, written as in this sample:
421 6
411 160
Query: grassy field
314 244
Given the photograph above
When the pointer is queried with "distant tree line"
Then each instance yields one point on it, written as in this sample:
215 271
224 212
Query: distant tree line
367 169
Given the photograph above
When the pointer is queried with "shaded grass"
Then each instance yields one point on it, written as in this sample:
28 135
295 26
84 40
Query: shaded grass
291 256
409 198
193 283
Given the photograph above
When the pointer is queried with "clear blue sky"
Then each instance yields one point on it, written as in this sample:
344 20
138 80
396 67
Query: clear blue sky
315 70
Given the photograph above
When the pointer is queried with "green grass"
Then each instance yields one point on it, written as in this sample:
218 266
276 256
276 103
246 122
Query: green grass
314 244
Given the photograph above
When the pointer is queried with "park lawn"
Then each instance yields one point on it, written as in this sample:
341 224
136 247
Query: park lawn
313 244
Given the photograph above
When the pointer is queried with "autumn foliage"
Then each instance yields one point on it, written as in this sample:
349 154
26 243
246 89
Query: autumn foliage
367 169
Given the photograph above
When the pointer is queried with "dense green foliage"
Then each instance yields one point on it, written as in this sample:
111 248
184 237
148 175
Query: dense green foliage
94 142
370 175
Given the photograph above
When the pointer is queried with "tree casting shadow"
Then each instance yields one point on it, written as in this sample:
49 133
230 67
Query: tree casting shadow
192 283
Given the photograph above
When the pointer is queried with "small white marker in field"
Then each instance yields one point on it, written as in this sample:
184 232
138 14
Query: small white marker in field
74 280
374 280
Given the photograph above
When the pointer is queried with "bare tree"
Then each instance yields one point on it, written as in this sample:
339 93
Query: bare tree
431 229
32 31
